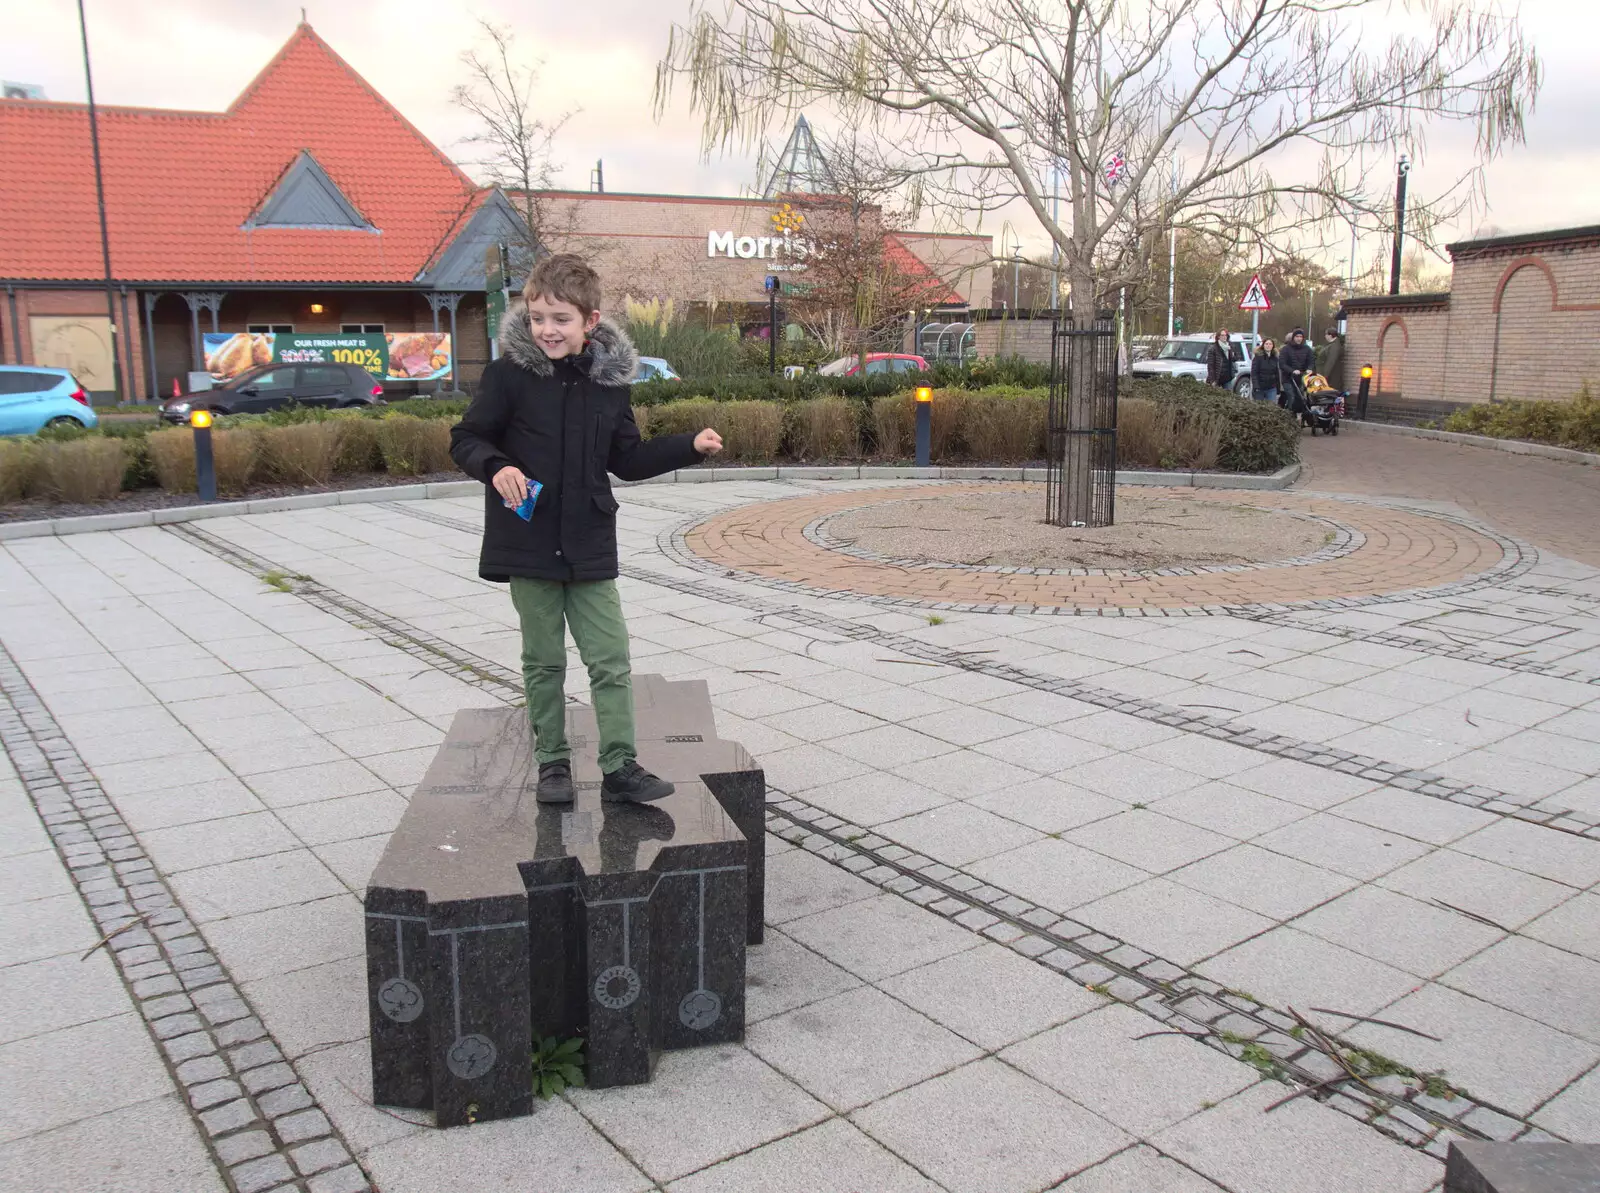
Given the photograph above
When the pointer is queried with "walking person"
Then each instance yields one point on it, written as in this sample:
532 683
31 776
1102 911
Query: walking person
1295 363
554 409
1219 361
1330 358
1264 372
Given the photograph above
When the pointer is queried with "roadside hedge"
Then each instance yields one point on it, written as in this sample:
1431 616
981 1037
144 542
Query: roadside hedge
1162 425
1573 423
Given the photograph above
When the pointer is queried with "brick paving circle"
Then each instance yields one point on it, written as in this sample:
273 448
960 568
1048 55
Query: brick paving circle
1381 550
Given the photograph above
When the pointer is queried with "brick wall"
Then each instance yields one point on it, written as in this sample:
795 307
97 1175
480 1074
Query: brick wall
1027 338
650 246
88 306
1521 321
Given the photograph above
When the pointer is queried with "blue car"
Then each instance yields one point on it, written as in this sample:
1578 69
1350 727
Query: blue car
33 397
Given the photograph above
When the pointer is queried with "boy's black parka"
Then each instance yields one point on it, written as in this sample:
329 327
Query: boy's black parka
565 423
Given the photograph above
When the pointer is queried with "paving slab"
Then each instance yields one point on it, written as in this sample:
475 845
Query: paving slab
991 995
75 1073
1511 1060
148 1147
856 1047
1158 1081
558 1144
987 1128
1302 1147
701 1106
832 1157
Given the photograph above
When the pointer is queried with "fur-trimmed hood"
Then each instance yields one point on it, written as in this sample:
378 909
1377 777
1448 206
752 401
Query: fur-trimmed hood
612 358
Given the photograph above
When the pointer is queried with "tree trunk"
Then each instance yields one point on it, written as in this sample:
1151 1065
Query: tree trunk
1074 503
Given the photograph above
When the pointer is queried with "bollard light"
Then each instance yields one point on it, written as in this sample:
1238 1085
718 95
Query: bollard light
205 469
924 424
1364 392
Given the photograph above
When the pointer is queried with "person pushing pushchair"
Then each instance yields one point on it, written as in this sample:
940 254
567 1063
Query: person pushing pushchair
1296 361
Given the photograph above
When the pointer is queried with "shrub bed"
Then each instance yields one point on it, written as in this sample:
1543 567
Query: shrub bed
1574 423
1161 425
1254 436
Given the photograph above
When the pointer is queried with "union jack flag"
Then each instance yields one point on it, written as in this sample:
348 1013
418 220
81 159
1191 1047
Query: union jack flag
1116 169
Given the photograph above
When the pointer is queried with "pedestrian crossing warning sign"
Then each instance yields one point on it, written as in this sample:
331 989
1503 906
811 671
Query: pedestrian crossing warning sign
1255 296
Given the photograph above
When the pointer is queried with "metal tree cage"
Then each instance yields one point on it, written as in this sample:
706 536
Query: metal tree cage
1081 434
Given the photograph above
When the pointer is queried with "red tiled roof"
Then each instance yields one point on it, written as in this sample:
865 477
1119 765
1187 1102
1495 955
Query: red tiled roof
930 288
180 185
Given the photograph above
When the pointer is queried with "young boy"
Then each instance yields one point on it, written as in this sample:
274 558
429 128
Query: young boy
554 409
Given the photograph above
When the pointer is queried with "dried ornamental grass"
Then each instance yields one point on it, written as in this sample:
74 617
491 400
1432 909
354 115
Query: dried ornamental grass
172 458
824 429
358 445
89 469
303 454
414 446
752 432
234 454
18 459
999 428
641 419
686 417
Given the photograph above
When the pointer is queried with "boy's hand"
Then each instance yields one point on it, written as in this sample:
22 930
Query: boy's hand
708 442
511 485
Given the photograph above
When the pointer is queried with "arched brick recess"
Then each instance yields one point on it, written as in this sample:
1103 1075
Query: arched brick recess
1392 356
1517 267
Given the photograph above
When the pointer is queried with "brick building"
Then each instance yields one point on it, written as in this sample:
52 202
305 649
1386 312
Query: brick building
1521 320
312 207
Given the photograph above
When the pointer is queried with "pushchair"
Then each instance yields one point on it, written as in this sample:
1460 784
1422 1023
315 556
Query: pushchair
1319 405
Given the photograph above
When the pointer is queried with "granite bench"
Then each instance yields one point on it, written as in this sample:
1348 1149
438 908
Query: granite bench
493 920
1481 1166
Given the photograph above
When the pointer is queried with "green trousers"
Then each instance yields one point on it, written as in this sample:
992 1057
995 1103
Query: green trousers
593 611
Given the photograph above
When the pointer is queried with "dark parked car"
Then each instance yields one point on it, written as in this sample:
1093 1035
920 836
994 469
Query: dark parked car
272 387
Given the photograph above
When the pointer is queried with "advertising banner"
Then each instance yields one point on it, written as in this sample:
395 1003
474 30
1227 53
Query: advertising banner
392 356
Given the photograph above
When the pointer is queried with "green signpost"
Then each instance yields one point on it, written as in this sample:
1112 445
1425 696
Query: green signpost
496 281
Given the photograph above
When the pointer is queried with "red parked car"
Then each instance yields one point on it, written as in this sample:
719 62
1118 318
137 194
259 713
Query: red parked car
877 362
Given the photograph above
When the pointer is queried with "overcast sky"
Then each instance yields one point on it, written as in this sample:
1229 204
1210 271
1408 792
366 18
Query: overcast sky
201 53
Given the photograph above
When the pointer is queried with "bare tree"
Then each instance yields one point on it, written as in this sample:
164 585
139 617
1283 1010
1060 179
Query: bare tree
1260 120
515 146
857 282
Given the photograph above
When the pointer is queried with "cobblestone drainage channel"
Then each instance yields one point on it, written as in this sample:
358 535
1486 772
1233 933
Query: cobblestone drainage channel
263 1127
1404 1105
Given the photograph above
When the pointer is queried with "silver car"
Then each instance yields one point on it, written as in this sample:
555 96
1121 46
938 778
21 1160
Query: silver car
1185 356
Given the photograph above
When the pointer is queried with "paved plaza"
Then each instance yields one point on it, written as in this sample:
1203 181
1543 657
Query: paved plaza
1074 878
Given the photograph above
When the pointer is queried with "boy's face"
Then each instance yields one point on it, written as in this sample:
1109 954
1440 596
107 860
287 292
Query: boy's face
559 328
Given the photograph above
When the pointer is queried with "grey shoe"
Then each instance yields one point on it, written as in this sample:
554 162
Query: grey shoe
555 782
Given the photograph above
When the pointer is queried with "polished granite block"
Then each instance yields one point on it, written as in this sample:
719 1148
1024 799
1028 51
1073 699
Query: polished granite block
493 920
1482 1167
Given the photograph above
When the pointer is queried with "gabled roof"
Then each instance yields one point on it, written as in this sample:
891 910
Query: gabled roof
181 187
305 197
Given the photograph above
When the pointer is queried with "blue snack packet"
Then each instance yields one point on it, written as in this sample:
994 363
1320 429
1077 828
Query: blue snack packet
525 510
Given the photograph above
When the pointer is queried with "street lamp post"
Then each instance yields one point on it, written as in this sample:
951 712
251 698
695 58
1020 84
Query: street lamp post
1403 170
100 196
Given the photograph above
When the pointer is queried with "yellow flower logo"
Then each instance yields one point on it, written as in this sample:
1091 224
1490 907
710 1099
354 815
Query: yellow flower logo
787 219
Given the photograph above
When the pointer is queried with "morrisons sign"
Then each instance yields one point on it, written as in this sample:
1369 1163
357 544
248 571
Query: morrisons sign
789 252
